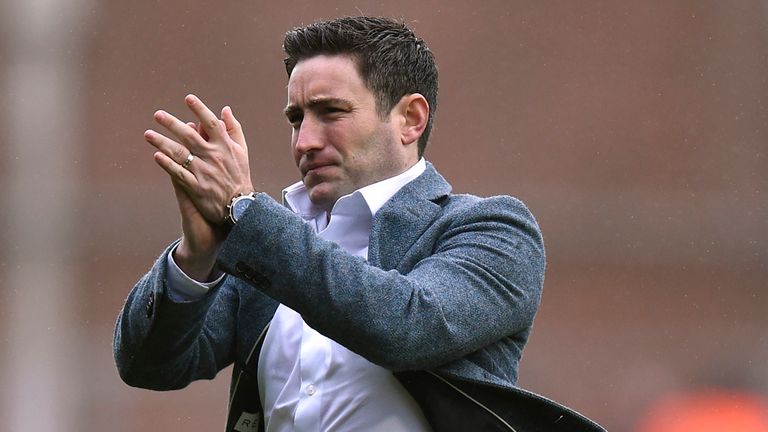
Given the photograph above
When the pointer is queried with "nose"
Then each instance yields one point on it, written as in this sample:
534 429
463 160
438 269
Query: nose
307 137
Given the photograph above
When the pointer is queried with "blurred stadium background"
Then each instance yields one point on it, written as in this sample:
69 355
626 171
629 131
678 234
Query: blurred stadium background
636 131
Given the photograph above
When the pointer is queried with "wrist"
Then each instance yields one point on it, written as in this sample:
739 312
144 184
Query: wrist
196 263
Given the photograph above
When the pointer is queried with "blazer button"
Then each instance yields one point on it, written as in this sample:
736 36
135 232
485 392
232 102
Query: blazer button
251 275
150 305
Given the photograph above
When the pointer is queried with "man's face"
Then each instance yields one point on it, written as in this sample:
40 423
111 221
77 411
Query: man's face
339 142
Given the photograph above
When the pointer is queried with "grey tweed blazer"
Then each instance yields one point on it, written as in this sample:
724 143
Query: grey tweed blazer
446 301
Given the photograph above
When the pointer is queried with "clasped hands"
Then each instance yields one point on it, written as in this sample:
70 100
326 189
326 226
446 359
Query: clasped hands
218 172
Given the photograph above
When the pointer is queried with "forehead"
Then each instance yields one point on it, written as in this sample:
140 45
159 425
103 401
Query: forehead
326 76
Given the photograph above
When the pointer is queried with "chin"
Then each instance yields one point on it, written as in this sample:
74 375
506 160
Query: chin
323 197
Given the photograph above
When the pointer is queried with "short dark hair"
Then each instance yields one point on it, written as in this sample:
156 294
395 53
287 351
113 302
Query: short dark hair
392 61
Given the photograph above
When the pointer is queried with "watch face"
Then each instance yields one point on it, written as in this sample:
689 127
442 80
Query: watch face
240 206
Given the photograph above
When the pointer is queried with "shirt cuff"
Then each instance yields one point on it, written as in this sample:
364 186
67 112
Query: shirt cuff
182 288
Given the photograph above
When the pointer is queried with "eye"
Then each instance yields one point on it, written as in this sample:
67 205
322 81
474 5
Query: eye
333 111
295 120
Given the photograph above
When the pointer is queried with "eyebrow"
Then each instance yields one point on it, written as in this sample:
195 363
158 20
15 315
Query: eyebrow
295 109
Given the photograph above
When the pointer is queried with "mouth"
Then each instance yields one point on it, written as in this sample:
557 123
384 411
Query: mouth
314 168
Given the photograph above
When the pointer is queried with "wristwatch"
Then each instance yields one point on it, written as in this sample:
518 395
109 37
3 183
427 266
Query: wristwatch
237 207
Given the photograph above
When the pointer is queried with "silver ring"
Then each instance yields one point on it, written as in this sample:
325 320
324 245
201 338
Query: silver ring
189 160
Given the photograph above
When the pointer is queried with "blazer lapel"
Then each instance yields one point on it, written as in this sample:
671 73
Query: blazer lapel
403 219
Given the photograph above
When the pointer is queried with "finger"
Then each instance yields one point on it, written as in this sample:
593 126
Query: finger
202 132
175 151
178 173
208 120
198 129
233 127
185 135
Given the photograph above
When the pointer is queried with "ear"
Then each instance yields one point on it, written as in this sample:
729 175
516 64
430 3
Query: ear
414 111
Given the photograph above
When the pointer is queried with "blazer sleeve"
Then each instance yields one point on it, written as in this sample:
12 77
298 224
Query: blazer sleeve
163 345
477 279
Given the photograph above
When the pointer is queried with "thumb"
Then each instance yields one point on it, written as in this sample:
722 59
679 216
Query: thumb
186 206
234 129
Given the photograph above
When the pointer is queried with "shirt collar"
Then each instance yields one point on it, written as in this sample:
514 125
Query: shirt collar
374 195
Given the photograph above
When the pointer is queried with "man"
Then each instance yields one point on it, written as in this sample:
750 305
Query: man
373 298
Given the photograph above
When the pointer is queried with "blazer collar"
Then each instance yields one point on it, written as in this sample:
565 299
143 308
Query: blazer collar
405 217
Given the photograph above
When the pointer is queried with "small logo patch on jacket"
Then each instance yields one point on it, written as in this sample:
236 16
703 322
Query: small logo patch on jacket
248 422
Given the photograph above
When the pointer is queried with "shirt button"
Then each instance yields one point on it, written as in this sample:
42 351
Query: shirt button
311 390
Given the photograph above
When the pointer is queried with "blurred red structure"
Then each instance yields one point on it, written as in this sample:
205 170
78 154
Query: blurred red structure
636 132
711 410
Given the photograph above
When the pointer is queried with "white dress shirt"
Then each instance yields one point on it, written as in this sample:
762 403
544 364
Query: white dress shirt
308 382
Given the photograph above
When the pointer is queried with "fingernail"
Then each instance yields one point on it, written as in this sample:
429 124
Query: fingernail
159 114
190 99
